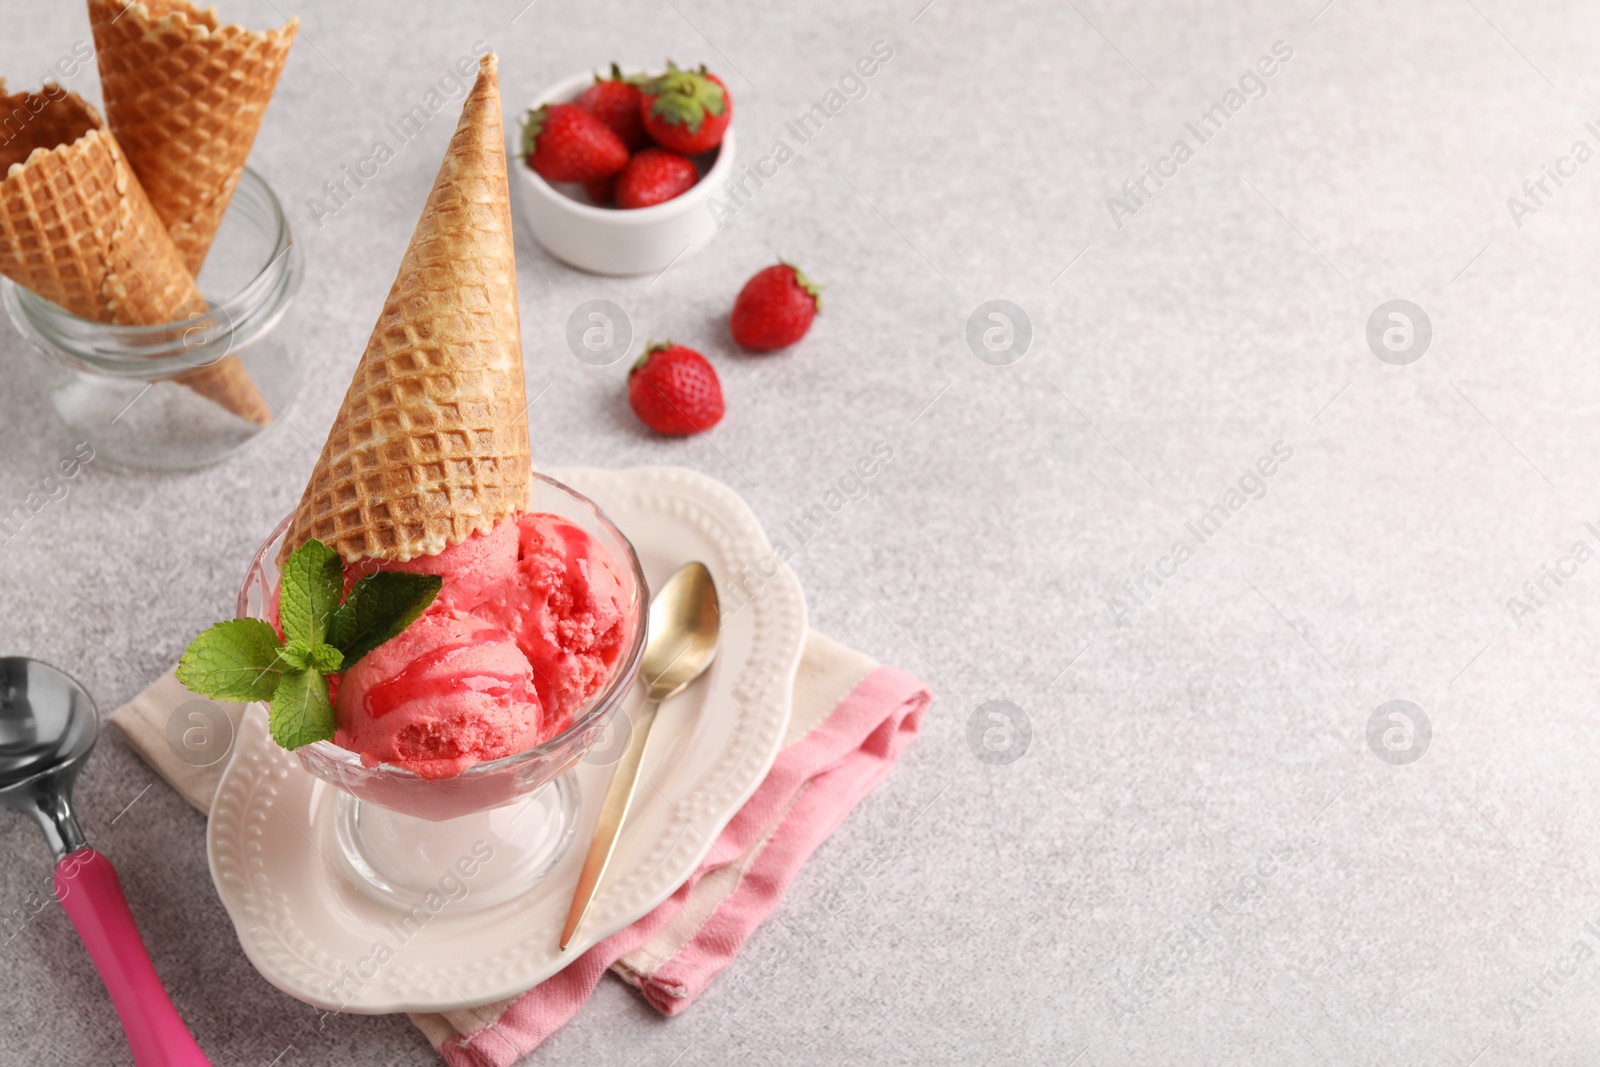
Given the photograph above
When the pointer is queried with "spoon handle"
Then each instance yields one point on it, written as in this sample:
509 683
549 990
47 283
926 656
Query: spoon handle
91 894
619 797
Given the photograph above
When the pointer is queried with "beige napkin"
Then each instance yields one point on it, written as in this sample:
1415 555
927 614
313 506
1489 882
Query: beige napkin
193 759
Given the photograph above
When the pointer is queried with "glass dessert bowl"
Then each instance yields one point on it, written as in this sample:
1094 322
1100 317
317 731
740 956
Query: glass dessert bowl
411 839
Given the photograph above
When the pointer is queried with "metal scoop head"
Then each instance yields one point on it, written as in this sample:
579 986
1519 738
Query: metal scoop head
48 724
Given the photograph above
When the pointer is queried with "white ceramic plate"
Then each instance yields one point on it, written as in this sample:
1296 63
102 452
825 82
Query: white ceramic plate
323 941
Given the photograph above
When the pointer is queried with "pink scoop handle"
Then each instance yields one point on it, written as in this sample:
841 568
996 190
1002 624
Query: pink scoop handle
89 890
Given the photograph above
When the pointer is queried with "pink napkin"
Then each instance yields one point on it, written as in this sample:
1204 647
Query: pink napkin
674 952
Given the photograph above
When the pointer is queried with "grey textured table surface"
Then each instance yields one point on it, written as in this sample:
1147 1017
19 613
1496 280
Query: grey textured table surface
1198 858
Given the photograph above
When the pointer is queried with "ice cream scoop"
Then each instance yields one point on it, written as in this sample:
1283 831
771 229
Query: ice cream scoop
48 724
528 626
449 692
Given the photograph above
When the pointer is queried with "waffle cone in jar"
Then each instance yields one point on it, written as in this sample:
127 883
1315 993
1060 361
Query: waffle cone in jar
431 443
185 97
77 228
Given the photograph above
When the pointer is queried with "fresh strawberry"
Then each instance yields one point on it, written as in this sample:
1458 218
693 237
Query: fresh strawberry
674 390
687 111
615 102
654 176
600 189
775 308
564 143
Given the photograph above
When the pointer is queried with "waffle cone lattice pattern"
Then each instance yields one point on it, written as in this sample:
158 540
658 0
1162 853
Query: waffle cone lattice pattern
185 98
77 228
431 442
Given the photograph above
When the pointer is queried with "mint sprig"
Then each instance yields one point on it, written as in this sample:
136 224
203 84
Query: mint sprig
244 659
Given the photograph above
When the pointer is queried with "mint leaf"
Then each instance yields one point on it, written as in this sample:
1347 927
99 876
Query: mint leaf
233 660
327 659
301 712
296 655
313 581
378 608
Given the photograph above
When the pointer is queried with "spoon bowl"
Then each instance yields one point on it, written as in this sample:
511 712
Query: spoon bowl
683 632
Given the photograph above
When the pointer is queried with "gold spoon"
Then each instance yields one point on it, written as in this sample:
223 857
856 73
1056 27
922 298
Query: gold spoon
682 642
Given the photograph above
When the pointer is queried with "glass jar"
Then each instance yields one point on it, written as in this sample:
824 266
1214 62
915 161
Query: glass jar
121 388
393 831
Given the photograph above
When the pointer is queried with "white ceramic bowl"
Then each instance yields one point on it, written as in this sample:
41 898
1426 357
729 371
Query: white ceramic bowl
604 240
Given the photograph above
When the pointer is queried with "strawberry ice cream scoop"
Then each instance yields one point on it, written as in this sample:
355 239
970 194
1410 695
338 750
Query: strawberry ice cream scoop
569 621
448 692
528 626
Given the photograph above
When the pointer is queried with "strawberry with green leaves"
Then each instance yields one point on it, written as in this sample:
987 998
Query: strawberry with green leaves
615 102
687 111
564 143
775 308
324 633
674 390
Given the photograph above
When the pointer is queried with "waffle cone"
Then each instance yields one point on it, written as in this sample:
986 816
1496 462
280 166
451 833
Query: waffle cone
431 443
76 228
185 97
